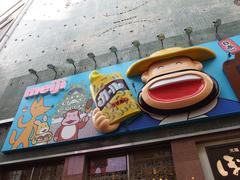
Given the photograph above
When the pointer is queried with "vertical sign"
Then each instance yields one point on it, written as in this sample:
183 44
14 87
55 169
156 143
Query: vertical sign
225 161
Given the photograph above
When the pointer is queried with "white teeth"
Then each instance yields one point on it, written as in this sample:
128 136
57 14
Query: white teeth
173 80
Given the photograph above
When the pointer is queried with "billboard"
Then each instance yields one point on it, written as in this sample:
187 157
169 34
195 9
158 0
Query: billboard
63 110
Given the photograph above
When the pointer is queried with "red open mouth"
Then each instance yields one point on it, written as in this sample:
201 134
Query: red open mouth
176 89
70 121
44 130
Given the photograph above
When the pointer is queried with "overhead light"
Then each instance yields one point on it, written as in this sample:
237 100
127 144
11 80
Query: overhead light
92 56
217 23
52 67
188 31
136 44
34 72
71 61
161 37
113 49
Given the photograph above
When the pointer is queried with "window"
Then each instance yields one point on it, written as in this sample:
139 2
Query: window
41 171
108 168
152 164
9 10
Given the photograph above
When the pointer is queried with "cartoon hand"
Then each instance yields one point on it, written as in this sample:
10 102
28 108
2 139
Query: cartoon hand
85 119
34 141
55 138
101 123
82 123
88 105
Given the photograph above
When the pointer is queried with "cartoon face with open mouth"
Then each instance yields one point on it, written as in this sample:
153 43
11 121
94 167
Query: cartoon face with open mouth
174 84
176 88
72 117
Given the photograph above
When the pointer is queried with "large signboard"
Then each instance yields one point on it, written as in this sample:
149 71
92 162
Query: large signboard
225 161
176 90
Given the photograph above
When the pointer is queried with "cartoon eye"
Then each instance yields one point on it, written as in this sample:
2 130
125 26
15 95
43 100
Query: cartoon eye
178 62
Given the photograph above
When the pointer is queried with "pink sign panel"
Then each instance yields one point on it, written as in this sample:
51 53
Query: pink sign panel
229 45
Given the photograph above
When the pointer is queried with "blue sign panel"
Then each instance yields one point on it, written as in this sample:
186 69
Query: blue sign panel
47 109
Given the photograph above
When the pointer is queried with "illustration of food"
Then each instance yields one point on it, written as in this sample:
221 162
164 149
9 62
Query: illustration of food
221 169
42 134
113 99
174 82
70 126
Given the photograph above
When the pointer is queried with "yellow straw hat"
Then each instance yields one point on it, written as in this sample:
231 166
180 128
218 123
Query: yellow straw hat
195 53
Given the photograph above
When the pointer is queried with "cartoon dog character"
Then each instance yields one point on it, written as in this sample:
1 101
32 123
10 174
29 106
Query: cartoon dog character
72 122
37 108
42 133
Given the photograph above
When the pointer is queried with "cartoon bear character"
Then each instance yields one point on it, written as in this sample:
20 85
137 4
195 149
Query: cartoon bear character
72 122
42 134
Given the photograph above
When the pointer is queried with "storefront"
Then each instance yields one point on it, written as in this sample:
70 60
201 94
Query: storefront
178 159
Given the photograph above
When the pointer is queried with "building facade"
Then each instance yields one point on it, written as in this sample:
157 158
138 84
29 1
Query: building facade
78 36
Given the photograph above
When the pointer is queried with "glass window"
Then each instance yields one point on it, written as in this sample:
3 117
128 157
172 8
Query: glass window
48 172
150 164
42 171
153 164
23 174
108 168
